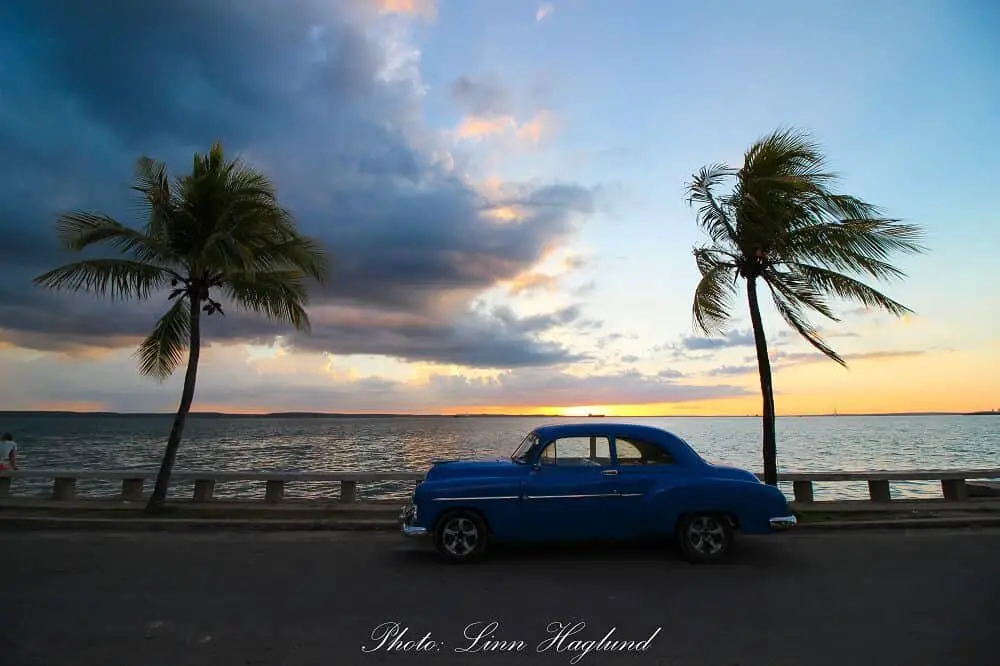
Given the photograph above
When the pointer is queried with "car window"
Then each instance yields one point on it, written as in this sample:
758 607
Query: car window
633 451
577 451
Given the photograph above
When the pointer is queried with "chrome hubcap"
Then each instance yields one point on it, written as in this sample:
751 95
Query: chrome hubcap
459 536
705 534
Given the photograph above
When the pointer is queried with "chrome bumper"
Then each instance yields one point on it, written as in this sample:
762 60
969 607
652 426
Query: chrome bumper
784 522
406 525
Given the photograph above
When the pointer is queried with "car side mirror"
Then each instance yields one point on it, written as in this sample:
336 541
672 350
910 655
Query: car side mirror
537 467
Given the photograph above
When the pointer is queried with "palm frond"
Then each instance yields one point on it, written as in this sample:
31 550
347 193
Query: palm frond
859 245
847 288
792 313
157 201
786 153
121 279
294 252
713 297
800 290
278 295
713 215
163 349
79 230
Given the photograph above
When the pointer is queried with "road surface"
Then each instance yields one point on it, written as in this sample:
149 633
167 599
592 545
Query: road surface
921 597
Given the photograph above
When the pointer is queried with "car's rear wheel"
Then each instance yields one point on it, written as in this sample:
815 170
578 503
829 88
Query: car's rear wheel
461 537
705 537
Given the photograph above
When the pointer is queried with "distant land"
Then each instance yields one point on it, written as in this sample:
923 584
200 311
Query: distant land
363 415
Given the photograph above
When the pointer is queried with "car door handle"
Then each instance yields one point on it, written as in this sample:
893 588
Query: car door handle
609 472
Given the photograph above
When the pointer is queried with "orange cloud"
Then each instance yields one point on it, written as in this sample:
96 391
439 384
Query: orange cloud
505 213
425 8
536 127
478 127
473 127
545 277
532 281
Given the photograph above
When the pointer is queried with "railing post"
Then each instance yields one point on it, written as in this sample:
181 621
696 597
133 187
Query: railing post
878 490
5 486
348 491
64 489
803 491
132 490
274 492
203 490
955 489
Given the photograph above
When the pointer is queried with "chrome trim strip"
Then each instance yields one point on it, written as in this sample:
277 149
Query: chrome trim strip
469 499
631 494
570 496
783 522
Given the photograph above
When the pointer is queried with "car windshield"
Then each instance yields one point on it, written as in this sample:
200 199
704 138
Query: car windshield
520 455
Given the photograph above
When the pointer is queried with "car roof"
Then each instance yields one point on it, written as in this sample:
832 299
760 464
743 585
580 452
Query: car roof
601 428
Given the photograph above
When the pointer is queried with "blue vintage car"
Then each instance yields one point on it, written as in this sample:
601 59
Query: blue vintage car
588 481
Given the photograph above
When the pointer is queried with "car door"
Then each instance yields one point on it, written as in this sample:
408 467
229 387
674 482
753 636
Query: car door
572 491
644 467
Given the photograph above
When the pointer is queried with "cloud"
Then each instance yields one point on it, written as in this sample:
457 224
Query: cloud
731 370
699 348
329 108
822 330
234 380
781 360
732 339
531 281
425 8
491 339
799 358
474 127
544 11
537 281
486 96
539 387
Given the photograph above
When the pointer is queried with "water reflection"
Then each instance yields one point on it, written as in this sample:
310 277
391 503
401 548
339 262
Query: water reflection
411 443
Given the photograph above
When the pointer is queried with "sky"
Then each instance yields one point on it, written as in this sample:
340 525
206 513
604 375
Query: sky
500 186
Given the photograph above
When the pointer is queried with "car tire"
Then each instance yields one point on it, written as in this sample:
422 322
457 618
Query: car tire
704 537
461 537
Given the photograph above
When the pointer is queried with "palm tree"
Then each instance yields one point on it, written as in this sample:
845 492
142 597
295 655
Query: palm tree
782 225
220 229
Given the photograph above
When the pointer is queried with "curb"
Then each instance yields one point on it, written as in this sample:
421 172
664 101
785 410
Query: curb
902 523
27 523
24 523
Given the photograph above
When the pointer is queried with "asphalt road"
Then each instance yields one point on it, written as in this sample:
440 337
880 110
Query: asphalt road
922 597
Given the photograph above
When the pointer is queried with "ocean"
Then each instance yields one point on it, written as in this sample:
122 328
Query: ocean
360 443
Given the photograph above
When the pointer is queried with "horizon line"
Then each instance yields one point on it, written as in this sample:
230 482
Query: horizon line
477 414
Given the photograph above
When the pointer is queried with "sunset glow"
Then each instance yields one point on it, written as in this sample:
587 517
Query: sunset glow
500 187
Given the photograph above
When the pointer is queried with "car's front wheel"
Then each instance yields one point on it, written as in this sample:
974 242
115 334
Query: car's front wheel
705 537
461 537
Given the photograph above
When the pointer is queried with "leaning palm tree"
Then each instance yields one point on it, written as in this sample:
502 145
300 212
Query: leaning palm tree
780 224
217 229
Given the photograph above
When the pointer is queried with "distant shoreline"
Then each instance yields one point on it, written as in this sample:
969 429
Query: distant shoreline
362 415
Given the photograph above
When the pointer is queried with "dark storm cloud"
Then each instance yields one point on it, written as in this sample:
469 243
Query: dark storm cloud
485 340
298 89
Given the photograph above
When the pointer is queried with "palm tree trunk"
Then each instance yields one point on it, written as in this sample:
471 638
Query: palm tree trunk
766 389
159 496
